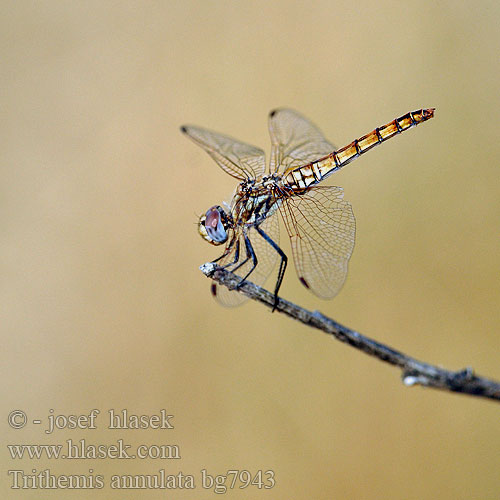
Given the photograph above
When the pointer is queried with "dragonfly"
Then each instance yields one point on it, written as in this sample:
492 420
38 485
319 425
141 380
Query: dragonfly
319 222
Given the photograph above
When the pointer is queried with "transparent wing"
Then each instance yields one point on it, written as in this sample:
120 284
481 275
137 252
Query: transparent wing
322 229
266 256
295 141
238 159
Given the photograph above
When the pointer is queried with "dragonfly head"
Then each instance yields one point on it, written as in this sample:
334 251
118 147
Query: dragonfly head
213 225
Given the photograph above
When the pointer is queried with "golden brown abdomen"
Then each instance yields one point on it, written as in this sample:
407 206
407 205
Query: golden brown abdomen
312 173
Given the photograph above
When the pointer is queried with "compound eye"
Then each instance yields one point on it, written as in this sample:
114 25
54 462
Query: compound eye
213 226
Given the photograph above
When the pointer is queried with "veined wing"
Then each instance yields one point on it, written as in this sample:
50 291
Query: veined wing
238 159
266 256
322 229
295 141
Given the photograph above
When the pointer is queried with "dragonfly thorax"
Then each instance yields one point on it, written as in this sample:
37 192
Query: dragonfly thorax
270 180
245 188
255 206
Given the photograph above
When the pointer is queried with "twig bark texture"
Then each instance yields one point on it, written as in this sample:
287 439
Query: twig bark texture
414 372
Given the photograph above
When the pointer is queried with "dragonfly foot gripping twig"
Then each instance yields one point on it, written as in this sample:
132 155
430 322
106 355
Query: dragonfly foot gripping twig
414 372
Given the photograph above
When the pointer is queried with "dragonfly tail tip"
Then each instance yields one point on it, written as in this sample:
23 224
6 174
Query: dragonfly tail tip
429 112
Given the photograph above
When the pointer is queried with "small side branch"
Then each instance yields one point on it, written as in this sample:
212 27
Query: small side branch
414 372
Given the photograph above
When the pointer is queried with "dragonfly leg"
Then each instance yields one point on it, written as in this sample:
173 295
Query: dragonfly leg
228 249
236 257
242 263
283 263
250 255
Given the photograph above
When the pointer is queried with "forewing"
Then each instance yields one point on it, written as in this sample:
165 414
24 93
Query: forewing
322 229
238 159
295 141
266 256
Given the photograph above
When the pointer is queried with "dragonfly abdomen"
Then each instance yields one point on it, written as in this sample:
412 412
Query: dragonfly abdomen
312 173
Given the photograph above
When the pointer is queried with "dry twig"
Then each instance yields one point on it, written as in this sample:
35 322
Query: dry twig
414 372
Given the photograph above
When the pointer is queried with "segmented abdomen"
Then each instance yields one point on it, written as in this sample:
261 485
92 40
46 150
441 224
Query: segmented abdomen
312 173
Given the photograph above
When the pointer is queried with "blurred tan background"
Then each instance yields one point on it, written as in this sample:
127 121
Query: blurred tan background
103 304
